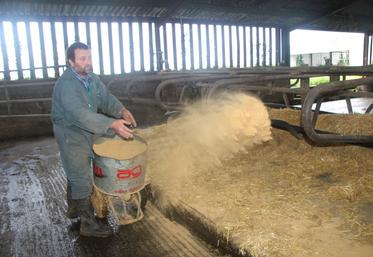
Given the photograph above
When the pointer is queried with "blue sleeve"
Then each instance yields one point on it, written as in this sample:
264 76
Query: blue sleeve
78 112
110 105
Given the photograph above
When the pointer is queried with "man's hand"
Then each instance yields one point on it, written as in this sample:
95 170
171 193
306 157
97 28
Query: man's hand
119 127
127 116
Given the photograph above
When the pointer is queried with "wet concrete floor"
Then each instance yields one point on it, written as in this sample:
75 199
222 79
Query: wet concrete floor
32 208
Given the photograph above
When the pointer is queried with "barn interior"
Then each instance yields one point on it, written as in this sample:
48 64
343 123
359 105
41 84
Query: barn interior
246 156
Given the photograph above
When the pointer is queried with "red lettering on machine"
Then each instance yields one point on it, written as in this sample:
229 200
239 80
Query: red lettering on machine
130 173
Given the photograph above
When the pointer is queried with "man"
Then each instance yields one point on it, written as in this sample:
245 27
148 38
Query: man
79 99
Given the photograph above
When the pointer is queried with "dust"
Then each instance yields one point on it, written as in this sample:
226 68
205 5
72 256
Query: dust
283 197
202 137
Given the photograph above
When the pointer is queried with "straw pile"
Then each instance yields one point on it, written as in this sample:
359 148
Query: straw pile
280 197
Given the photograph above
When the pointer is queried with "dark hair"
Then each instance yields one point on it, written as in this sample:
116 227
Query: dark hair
70 52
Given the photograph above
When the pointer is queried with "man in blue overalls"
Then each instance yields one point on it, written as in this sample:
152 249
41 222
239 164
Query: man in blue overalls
82 109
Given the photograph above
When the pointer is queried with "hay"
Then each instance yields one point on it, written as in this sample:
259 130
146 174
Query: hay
284 197
356 124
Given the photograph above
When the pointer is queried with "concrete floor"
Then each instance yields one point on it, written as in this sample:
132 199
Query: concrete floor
32 220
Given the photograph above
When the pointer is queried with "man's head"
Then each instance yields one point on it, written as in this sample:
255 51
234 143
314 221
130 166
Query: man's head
79 57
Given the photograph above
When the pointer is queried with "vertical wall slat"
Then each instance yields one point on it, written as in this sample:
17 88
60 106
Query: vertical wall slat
251 47
203 45
270 46
141 41
238 47
30 50
174 45
370 49
278 46
42 50
66 43
230 46
365 49
257 47
158 46
200 45
151 50
5 52
17 50
208 46
244 47
216 46
264 61
285 46
167 67
191 46
99 43
182 46
132 53
88 33
76 30
54 46
121 54
111 46
223 46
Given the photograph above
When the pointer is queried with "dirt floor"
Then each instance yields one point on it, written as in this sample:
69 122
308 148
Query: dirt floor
276 196
264 190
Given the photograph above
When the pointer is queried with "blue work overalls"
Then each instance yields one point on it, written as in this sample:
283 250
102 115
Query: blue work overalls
76 123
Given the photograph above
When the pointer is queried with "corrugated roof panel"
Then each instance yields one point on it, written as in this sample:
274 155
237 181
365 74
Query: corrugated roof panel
337 14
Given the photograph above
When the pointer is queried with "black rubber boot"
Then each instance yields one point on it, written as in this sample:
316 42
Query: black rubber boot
72 211
89 225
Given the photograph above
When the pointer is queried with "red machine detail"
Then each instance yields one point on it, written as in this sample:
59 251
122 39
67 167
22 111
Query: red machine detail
130 173
98 171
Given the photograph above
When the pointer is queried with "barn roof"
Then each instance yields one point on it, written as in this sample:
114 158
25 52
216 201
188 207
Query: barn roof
335 15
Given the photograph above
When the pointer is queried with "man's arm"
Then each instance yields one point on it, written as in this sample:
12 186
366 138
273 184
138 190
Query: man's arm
110 105
113 107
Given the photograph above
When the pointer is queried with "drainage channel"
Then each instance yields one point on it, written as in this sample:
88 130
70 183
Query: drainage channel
32 221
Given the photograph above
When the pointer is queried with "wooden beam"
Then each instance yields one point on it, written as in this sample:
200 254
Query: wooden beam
151 50
165 48
54 46
244 48
183 52
173 32
208 46
158 46
42 49
216 46
285 43
131 41
100 53
141 45
278 46
365 49
4 52
121 52
17 49
111 52
251 47
200 46
191 48
30 50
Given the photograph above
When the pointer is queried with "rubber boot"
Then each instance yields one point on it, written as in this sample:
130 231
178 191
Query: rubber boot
72 211
89 225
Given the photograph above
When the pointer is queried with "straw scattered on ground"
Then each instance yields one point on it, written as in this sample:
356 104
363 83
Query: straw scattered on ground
273 197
